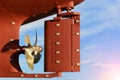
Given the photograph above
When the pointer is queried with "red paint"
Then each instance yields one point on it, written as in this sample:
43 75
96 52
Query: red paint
14 13
69 42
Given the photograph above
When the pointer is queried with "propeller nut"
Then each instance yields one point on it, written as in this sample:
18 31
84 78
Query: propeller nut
57 43
46 76
57 52
57 61
13 23
57 34
11 40
21 75
78 64
77 50
36 75
77 33
77 21
57 24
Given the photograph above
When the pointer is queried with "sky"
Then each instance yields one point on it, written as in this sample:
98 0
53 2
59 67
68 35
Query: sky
99 41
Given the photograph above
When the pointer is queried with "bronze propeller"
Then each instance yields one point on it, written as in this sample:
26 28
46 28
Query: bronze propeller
32 52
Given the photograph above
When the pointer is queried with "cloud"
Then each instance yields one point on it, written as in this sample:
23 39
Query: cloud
86 61
89 47
92 56
89 51
97 18
98 64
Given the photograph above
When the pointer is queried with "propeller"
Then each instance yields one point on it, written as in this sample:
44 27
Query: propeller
32 52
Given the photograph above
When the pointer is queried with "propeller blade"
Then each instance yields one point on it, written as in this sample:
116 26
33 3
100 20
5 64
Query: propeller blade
27 40
37 58
37 55
29 57
15 60
35 44
32 53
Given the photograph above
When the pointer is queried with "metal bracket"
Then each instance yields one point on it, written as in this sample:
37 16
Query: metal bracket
24 75
10 66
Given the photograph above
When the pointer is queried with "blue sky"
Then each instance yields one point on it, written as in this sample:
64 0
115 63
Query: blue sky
100 42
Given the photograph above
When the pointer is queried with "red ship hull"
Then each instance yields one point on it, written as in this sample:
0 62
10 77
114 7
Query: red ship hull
14 13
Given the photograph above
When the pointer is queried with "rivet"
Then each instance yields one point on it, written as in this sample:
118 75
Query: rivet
10 49
57 34
57 43
36 75
77 21
13 22
77 33
10 59
47 76
57 24
11 39
77 50
57 61
45 12
34 15
21 75
18 49
78 64
57 52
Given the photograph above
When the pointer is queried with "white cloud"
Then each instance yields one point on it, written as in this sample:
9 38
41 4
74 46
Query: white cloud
86 61
90 47
89 51
95 56
97 18
98 64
